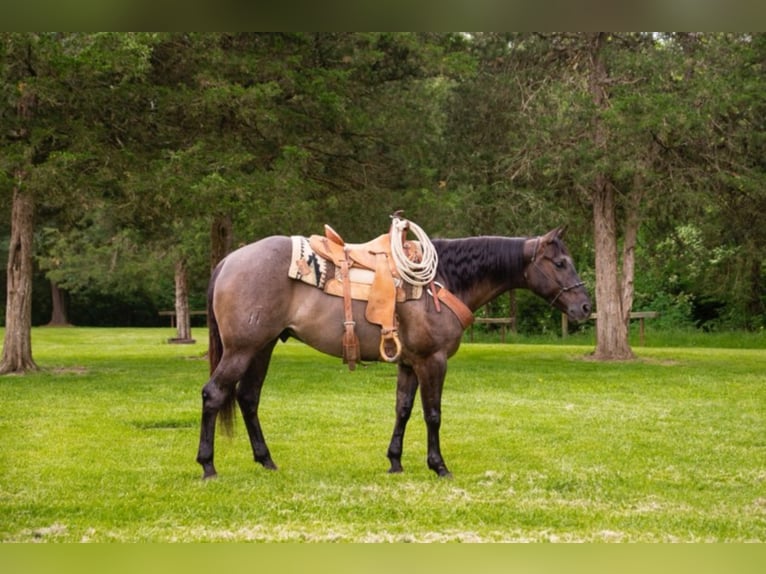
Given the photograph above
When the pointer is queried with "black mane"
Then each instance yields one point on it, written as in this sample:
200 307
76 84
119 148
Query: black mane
463 262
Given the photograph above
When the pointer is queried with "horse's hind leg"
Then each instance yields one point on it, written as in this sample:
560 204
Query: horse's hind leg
248 397
216 395
406 387
213 398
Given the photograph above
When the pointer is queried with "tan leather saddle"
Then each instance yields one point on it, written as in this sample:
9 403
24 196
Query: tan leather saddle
381 287
375 256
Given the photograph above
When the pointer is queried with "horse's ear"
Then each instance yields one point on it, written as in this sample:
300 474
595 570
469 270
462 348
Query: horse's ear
561 231
551 236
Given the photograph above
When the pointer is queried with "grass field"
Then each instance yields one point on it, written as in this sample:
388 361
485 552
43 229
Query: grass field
544 445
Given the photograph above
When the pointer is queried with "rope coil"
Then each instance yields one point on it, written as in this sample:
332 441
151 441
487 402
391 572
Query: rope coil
418 273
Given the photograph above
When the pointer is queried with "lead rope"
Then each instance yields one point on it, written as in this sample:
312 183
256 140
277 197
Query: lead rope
420 272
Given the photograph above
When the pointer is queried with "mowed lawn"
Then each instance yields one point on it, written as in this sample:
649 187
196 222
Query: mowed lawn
544 445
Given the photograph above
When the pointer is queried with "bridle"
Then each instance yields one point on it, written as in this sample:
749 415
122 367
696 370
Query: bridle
562 289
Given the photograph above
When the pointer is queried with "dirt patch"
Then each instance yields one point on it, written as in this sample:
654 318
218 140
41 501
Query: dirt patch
590 358
164 424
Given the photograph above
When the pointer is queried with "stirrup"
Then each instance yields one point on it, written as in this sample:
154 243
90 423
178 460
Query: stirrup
391 335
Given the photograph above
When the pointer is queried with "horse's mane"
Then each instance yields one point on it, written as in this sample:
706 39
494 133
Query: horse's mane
462 262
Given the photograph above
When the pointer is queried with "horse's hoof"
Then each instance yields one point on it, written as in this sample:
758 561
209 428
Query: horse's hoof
442 472
269 465
208 470
395 470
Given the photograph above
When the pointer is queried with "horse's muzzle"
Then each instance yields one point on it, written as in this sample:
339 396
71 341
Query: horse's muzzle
579 311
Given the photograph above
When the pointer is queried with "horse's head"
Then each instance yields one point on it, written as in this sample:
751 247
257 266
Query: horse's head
551 274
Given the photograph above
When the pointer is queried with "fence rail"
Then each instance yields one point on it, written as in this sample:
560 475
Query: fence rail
509 322
640 315
172 315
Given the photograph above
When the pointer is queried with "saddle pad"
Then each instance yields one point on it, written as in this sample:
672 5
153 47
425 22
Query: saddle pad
305 265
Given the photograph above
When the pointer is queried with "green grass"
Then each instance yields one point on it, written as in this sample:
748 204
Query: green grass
544 445
653 337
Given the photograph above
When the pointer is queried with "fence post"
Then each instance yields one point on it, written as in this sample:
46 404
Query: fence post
512 309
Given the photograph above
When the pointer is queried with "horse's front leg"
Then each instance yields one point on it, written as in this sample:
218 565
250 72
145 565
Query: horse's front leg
406 387
430 374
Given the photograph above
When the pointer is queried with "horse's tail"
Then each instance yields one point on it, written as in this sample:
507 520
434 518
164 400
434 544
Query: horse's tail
215 346
214 353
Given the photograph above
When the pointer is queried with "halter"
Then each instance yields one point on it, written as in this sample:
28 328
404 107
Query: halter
562 290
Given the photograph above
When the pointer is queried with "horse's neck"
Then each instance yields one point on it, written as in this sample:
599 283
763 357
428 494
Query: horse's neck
479 269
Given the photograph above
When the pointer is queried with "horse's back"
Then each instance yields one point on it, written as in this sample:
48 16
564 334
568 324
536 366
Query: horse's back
254 263
255 301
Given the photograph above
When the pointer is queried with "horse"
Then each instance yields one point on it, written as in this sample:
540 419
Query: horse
253 304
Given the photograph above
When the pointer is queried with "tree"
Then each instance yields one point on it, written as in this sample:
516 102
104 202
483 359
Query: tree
703 179
726 160
150 155
17 347
53 85
59 306
621 125
18 63
614 297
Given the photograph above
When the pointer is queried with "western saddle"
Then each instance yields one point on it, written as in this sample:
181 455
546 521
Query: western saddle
385 287
374 256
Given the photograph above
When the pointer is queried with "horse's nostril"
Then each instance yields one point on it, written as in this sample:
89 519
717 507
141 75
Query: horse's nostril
586 308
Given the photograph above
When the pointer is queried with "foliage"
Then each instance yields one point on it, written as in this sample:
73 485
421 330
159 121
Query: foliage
135 142
545 446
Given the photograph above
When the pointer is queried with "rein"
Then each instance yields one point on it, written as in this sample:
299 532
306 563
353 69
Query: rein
562 289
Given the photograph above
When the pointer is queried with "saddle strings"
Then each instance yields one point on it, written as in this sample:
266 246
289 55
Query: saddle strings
420 272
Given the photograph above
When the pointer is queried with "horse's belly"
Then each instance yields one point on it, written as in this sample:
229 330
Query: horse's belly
319 321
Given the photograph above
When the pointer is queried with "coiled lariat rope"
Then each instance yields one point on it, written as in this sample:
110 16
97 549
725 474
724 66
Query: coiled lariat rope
420 272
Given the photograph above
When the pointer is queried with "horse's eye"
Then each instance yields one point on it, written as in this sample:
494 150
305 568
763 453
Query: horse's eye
560 264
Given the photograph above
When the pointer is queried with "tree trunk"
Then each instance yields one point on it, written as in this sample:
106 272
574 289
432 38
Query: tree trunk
611 327
612 321
59 311
17 348
632 222
183 319
221 239
755 301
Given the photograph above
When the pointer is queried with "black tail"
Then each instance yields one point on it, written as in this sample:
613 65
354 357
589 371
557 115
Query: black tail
214 353
215 347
